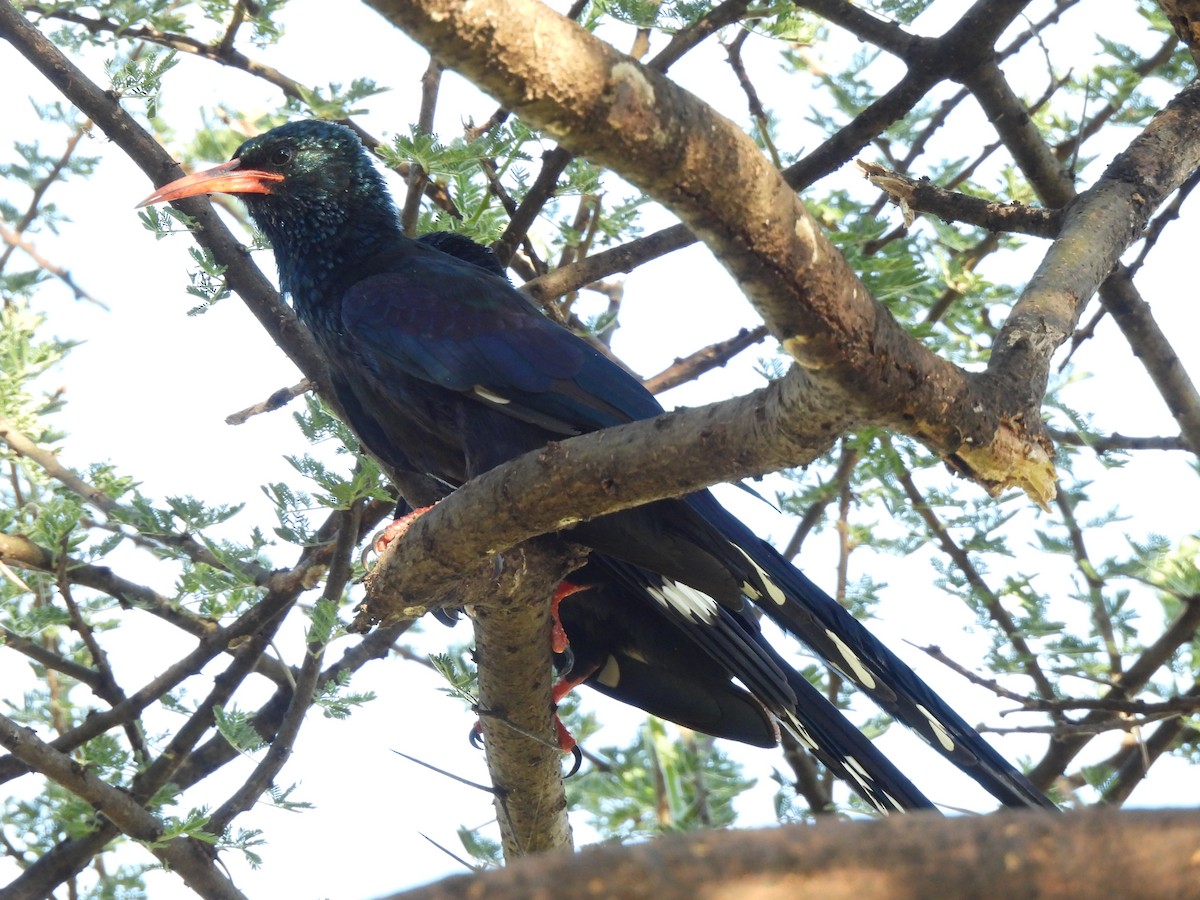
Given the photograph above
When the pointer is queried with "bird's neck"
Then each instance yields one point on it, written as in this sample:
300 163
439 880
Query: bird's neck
315 259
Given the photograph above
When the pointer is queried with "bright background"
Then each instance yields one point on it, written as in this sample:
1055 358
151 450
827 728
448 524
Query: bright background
150 387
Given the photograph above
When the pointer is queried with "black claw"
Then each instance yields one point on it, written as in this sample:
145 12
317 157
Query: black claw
367 550
577 756
565 661
448 617
476 736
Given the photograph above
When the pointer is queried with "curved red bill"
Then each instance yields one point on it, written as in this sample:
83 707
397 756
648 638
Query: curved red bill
228 178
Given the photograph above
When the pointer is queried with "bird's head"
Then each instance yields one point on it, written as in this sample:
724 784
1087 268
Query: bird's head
309 185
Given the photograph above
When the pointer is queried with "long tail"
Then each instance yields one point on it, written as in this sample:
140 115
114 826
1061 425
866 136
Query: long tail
664 647
812 616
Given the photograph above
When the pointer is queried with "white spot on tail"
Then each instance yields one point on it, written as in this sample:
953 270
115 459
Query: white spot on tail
939 730
855 766
861 675
884 802
773 590
799 732
858 773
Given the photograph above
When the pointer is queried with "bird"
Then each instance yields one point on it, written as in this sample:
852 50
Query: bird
444 370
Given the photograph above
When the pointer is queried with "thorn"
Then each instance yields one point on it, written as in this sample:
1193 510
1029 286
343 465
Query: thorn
14 578
420 762
453 856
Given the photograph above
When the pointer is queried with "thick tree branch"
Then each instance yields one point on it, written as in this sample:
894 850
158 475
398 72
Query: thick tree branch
1145 854
668 142
551 489
1163 158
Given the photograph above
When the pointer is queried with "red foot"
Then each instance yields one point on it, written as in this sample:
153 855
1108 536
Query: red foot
398 528
559 643
558 637
566 740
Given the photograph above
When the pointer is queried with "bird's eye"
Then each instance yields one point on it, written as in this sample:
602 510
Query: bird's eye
281 155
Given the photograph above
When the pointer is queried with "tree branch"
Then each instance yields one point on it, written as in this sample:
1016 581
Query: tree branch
122 129
664 140
512 648
705 359
1146 854
182 854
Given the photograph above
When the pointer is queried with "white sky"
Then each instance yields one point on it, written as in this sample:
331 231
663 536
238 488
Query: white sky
150 388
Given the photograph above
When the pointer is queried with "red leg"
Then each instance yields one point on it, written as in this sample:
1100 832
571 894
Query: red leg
559 643
566 740
564 686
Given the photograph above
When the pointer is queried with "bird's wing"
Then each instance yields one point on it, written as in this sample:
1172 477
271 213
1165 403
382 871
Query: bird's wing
459 327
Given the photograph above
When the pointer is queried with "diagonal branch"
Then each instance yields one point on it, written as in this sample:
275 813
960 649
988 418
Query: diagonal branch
1097 228
667 142
856 365
185 855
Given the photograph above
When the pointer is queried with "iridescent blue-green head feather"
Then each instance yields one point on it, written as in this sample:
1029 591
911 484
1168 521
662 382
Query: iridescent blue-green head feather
314 191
